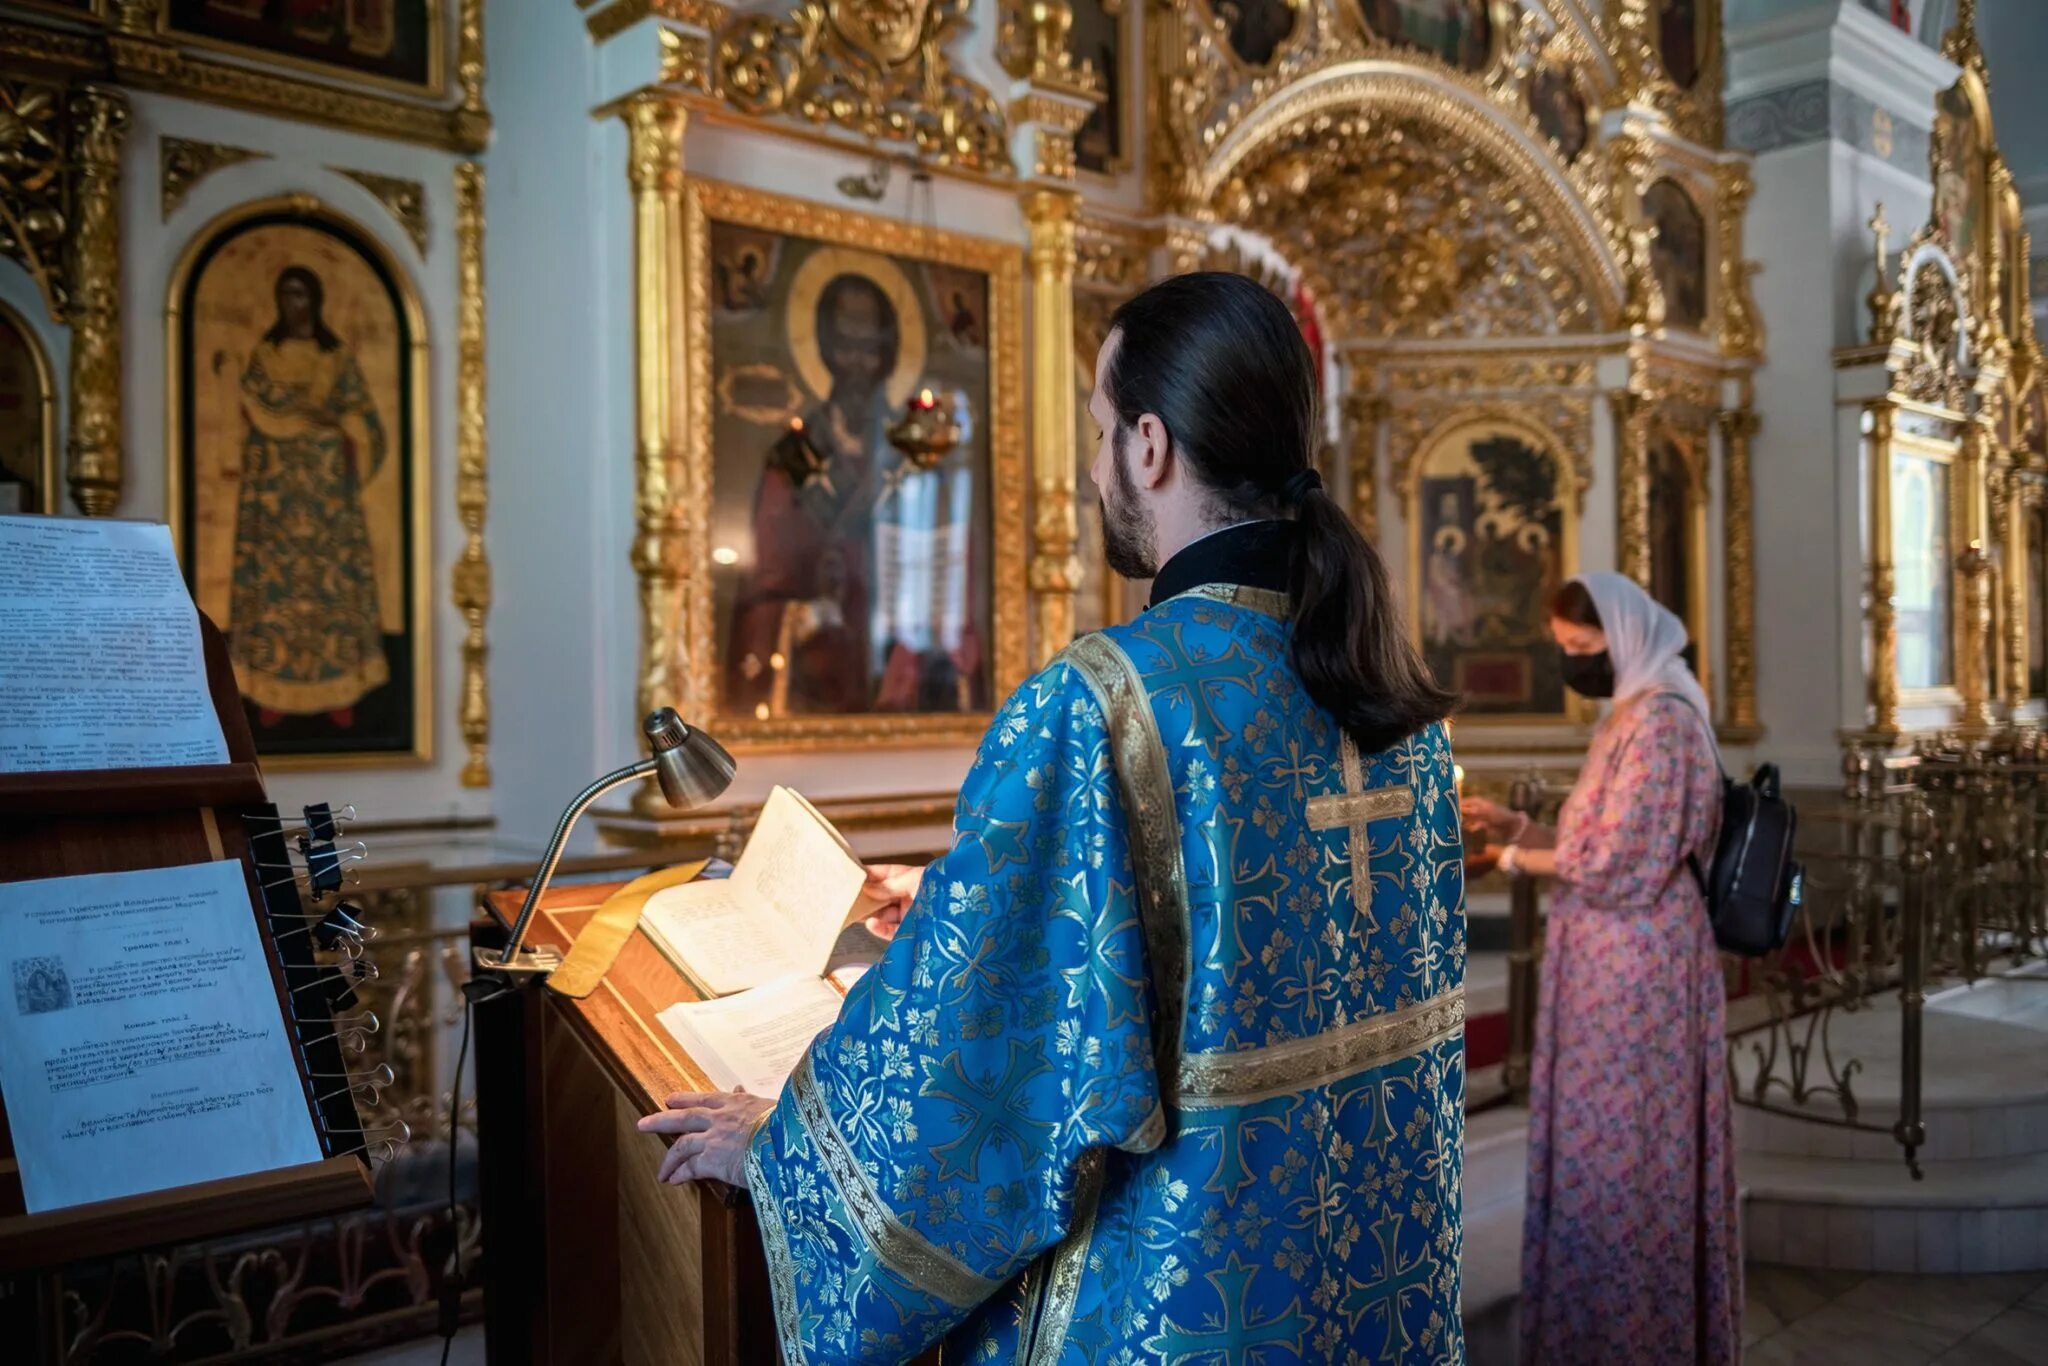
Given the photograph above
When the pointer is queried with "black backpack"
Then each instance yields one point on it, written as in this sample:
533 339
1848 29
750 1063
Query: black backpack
1755 886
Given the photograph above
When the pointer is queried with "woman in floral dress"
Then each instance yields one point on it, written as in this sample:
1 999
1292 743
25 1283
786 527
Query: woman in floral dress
1629 1249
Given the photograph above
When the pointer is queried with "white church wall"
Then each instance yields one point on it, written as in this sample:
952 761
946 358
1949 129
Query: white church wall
1835 105
557 264
299 160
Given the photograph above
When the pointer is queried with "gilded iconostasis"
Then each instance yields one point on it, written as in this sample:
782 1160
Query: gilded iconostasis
825 282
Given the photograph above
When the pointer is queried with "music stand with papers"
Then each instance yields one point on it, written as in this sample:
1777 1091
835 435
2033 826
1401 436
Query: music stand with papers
64 824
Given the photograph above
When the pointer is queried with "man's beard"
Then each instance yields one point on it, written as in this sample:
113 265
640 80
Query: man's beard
1130 544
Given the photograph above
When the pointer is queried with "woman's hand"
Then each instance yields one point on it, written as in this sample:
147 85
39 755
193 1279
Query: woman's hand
712 1132
890 889
1497 821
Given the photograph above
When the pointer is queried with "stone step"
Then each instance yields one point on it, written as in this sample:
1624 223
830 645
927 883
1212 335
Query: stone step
1955 1133
1979 1215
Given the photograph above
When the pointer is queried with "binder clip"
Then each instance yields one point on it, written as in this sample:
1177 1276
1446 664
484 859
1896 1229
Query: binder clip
323 864
338 980
336 930
377 1143
322 822
351 1033
369 1085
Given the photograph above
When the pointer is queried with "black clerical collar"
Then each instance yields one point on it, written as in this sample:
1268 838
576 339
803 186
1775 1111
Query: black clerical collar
1249 554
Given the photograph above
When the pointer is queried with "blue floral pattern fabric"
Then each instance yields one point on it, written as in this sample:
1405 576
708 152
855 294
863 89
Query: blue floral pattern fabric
1166 1062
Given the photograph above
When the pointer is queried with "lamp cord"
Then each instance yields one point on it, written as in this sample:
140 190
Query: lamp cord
474 991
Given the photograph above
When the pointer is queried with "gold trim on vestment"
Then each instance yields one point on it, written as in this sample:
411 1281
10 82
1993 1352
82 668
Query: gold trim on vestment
1147 784
1263 600
897 1246
775 1248
1338 810
1243 1076
1149 1135
1063 1277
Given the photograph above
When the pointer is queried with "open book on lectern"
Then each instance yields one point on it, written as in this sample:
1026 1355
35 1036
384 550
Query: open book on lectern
757 946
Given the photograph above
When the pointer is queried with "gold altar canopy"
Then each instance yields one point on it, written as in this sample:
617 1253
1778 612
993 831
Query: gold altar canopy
1523 237
1951 431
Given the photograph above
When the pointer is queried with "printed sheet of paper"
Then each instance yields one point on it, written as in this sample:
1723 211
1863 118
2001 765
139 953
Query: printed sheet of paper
100 661
755 1040
795 887
141 1042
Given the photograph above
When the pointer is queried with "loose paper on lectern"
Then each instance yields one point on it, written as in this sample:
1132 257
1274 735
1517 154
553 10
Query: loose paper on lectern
100 660
141 1042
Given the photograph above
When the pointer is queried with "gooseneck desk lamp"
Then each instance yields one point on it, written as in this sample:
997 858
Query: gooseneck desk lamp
692 769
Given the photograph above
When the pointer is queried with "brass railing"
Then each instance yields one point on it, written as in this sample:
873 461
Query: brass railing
1932 869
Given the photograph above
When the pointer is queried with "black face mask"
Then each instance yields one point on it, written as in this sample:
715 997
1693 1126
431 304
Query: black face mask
1589 675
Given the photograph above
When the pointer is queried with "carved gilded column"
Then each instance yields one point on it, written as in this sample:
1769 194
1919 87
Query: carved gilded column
1738 428
99 125
471 120
2016 554
472 587
1632 483
1742 331
1883 613
662 500
1973 566
1364 415
1055 568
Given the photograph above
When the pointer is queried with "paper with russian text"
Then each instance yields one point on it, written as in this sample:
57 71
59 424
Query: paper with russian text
100 660
142 1046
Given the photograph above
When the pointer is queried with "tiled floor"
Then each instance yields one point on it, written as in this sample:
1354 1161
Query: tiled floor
1818 1318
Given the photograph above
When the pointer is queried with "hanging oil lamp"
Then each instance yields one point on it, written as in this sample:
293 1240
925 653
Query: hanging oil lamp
927 432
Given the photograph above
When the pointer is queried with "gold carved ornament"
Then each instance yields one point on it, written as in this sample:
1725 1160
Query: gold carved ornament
405 200
1633 411
1110 256
1364 415
36 187
668 512
136 48
1404 231
876 68
1742 329
1055 576
182 163
1883 612
60 218
472 579
99 126
1738 430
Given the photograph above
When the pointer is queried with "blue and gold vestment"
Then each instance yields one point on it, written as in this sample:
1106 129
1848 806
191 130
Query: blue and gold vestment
1166 1063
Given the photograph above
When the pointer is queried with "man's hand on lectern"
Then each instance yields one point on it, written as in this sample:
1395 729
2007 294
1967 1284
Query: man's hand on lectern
712 1133
890 890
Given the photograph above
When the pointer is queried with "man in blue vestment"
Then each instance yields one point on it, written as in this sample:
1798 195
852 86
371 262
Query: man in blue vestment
1164 1062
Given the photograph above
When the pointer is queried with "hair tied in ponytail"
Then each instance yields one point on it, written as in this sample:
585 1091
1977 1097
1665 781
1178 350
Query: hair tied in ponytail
1297 489
1220 363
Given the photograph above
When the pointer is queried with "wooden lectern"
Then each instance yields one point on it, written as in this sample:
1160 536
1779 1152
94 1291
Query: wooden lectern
586 1258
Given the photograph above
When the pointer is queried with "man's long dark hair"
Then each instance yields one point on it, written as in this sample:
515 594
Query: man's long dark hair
1222 364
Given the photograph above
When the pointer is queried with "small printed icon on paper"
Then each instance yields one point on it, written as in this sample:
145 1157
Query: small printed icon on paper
41 986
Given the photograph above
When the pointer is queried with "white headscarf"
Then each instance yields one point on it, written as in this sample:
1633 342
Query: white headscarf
1644 641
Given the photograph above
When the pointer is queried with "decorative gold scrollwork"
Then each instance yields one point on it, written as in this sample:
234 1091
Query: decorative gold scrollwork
35 187
876 69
